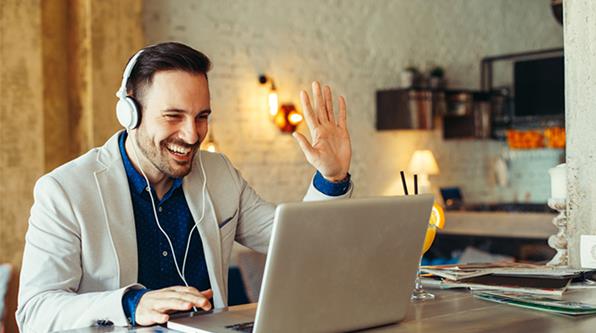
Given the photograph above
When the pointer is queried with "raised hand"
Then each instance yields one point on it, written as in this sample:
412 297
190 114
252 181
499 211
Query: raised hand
330 151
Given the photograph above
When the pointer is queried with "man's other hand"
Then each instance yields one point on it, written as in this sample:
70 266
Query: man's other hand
155 306
330 151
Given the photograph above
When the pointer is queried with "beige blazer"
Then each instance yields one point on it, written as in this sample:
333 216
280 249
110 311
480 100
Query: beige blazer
81 247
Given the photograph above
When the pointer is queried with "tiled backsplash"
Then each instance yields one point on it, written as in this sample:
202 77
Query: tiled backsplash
530 181
527 178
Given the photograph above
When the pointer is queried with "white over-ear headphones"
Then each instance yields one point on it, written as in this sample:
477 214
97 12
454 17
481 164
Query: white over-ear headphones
127 111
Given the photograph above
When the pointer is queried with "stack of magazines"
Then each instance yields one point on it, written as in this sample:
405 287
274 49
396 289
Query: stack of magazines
531 286
507 276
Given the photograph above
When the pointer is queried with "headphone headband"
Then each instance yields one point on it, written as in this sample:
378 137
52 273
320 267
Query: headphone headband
121 93
126 109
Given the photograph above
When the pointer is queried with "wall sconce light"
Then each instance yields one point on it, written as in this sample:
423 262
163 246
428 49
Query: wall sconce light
286 117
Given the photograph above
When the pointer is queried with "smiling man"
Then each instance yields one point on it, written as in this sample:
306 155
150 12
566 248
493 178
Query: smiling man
144 225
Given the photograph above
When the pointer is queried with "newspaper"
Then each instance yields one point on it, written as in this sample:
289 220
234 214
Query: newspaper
508 276
505 288
460 272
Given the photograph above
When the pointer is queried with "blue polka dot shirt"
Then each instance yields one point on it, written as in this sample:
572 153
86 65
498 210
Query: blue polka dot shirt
156 268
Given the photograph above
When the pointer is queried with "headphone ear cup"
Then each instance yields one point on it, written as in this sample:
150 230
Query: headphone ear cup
134 105
128 113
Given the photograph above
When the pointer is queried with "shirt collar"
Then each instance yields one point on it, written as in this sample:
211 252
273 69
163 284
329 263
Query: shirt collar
137 180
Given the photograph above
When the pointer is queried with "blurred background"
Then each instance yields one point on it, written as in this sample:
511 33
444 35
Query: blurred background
62 61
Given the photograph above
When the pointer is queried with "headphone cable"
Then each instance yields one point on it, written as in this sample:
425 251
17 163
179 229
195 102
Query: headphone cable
180 273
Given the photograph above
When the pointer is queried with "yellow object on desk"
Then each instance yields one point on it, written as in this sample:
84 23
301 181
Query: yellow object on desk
437 220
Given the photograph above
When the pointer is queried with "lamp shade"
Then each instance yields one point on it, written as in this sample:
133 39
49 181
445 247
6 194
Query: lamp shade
423 162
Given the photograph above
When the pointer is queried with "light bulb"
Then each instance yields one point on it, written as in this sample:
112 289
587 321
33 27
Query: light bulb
211 147
295 118
273 103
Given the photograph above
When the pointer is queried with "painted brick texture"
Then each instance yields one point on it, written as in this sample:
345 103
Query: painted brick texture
357 47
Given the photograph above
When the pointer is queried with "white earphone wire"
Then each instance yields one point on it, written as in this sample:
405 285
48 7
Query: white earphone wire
202 210
180 273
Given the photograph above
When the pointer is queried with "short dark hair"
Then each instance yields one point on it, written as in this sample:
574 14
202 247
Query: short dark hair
162 57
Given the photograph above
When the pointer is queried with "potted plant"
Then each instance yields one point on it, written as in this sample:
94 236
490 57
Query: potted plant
437 77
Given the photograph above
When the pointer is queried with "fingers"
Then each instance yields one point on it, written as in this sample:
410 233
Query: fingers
309 116
183 289
321 112
304 145
342 121
191 290
165 304
207 293
177 298
329 103
197 299
155 317
151 317
145 315
154 306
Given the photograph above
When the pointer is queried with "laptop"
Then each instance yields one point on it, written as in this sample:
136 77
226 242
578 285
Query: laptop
332 266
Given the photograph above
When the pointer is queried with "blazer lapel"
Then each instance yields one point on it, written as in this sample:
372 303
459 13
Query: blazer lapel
114 192
209 231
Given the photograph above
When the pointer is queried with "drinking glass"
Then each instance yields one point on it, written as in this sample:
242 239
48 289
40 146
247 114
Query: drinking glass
437 220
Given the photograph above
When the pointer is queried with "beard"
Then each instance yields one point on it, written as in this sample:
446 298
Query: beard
160 156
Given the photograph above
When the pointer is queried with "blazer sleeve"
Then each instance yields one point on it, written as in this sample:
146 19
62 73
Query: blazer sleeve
255 219
51 270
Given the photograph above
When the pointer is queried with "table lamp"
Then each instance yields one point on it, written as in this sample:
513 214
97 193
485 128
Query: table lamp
423 163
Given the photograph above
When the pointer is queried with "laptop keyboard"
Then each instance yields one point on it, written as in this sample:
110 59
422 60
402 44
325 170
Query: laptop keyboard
242 327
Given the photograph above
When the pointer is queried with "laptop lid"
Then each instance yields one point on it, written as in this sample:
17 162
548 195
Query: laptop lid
337 265
342 265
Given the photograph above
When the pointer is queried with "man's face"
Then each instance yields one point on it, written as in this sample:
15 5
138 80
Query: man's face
174 118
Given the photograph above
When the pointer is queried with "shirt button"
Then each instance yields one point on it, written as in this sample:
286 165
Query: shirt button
160 209
164 253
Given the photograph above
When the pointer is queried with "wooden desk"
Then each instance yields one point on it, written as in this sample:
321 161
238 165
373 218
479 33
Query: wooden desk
458 311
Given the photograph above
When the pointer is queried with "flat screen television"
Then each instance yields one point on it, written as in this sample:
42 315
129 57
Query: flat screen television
539 88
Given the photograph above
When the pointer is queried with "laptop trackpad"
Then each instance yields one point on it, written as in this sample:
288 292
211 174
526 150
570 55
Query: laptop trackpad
216 320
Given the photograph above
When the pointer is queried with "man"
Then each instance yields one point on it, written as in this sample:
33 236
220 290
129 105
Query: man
144 225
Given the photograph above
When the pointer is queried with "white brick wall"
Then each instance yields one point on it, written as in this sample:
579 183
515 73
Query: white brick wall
357 46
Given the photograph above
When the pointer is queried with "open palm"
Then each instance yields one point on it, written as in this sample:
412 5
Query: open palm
330 151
